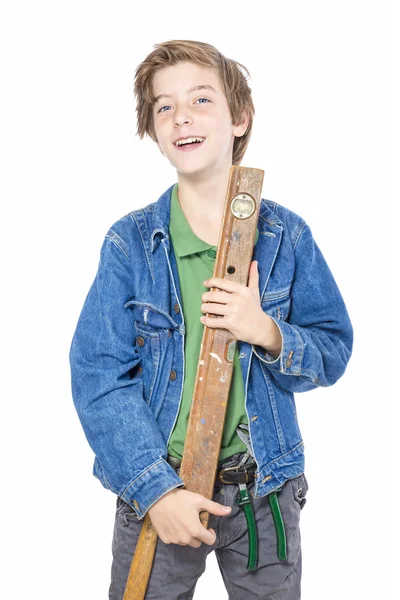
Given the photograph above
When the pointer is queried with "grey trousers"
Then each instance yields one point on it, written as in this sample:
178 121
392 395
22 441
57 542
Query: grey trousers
176 568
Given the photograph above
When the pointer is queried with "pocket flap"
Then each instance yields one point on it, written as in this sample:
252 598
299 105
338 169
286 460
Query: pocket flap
150 315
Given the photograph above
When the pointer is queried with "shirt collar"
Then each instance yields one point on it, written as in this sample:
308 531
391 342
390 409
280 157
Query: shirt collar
184 240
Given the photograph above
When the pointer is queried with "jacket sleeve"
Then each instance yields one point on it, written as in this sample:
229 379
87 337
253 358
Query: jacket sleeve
130 451
317 337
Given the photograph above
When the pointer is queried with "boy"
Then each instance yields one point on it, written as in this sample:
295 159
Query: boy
135 350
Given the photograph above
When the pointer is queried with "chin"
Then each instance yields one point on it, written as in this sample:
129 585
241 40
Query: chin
196 166
196 170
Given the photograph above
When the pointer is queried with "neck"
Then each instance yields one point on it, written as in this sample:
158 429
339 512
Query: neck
203 198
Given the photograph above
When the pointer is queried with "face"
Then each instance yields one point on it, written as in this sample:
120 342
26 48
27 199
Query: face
182 111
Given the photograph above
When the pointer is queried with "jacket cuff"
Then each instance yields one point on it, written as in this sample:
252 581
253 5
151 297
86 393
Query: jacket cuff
145 490
291 356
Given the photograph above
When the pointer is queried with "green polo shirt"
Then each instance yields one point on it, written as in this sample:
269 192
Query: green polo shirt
195 261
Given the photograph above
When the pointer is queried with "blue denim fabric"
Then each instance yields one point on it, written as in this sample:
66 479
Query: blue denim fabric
127 353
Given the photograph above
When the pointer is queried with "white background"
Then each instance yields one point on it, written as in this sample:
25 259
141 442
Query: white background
72 165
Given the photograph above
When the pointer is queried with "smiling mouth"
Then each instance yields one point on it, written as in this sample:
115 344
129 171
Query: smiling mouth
188 147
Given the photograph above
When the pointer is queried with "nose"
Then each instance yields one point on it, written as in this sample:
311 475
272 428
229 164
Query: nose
181 120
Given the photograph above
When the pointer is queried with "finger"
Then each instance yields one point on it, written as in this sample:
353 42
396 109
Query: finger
223 284
212 507
217 296
215 309
252 281
208 536
218 322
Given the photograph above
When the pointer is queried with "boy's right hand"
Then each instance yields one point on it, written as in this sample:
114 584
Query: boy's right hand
176 519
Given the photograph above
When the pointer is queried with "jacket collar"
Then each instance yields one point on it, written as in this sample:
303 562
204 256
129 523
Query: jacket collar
268 221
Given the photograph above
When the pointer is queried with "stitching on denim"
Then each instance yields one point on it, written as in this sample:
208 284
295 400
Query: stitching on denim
301 348
275 413
133 217
152 307
172 278
308 374
270 222
267 362
157 352
281 369
118 242
150 334
271 204
282 455
276 295
141 474
162 494
303 224
301 372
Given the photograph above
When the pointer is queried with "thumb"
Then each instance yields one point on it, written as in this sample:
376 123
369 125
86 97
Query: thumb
253 275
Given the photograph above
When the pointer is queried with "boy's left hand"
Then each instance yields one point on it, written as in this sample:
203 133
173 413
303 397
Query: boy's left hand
241 308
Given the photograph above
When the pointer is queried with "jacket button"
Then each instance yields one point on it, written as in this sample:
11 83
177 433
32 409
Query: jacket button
172 375
176 308
140 340
140 369
289 359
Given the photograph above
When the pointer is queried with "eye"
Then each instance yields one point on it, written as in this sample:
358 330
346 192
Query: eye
167 106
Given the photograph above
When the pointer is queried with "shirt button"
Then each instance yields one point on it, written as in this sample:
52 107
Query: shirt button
176 308
212 253
140 340
172 375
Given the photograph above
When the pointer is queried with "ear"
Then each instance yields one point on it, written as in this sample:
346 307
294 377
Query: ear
241 127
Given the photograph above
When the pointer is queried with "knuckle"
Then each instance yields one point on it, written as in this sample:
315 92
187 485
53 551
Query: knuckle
164 539
209 542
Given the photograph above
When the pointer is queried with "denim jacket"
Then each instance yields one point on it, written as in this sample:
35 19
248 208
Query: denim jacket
127 353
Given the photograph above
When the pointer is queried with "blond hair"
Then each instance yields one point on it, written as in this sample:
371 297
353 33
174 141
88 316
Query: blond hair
234 84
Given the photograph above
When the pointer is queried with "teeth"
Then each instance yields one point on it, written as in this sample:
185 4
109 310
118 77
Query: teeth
189 140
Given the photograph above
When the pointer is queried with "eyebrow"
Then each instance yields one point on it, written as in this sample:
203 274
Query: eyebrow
192 89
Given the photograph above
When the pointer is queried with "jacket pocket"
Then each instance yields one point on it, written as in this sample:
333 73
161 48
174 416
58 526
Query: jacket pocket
150 318
277 303
153 331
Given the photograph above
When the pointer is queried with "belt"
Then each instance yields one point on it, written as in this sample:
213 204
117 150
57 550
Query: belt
242 471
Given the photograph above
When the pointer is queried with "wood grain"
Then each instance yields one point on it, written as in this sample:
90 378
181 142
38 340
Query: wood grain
213 376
